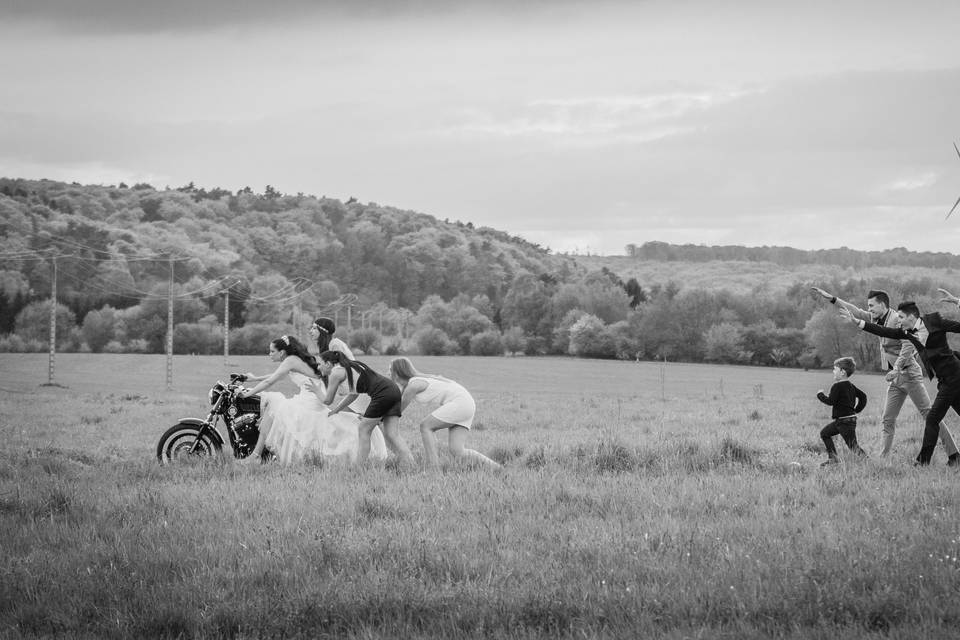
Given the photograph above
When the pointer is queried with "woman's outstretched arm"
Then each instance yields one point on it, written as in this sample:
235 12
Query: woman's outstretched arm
268 381
410 391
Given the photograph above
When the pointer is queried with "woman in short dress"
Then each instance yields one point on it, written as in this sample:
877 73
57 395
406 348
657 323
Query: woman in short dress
455 413
299 427
384 407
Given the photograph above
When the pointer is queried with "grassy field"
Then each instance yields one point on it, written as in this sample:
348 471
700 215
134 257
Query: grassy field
637 500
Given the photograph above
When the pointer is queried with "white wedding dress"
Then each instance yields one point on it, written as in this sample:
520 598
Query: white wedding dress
301 429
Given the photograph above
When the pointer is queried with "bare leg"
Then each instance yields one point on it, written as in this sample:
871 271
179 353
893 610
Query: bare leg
390 425
427 427
457 437
364 431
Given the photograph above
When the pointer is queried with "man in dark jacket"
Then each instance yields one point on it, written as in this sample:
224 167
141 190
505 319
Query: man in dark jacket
928 333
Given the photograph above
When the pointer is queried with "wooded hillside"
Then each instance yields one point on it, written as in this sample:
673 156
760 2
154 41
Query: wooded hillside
263 264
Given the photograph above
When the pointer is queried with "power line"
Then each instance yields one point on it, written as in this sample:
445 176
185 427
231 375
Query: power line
127 291
111 257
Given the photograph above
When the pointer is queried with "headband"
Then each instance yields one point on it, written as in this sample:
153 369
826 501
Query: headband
319 328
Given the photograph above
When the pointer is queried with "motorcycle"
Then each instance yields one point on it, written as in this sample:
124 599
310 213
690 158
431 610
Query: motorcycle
192 438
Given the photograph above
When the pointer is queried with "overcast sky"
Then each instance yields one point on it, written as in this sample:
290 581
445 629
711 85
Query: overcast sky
578 125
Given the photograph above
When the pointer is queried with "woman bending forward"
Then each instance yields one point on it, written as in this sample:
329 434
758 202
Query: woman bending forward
384 407
455 413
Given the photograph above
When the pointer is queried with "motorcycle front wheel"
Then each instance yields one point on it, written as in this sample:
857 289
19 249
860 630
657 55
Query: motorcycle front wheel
185 443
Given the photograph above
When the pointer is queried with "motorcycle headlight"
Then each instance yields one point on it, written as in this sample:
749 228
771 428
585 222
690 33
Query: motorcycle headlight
212 395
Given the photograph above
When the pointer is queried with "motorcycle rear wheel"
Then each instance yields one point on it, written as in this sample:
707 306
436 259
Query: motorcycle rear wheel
184 443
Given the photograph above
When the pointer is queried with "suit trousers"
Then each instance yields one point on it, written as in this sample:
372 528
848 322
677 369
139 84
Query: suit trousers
897 393
948 395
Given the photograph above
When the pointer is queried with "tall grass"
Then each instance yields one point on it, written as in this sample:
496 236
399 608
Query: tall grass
618 514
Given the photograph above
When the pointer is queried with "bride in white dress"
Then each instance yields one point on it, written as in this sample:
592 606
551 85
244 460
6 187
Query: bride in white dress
298 427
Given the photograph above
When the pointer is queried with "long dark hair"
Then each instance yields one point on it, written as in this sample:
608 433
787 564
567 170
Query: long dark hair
337 357
294 347
402 368
326 329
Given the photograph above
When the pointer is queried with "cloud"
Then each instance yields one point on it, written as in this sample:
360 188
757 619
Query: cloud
146 16
92 172
593 121
911 183
141 16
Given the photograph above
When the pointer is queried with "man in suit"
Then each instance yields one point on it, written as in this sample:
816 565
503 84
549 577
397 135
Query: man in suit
928 333
899 360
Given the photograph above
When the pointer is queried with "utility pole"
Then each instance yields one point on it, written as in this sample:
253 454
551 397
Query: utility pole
226 326
53 320
297 316
170 330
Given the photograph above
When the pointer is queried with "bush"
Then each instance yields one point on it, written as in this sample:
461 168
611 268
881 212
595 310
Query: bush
394 348
33 323
590 338
458 319
203 338
488 343
139 345
15 344
808 360
254 338
98 328
434 342
536 346
514 340
365 340
114 346
561 333
723 342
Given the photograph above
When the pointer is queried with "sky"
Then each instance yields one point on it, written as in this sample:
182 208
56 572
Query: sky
581 126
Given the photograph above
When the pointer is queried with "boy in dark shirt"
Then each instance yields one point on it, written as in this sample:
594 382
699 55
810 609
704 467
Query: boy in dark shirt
847 401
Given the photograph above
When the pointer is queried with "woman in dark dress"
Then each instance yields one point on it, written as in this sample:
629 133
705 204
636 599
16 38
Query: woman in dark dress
384 407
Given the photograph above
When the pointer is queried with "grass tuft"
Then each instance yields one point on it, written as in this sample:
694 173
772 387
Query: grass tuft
225 623
503 455
733 451
165 621
811 446
373 509
613 457
536 459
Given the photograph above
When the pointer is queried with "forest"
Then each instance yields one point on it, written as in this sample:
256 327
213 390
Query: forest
240 268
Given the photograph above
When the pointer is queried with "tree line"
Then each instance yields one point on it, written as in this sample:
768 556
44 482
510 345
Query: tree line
790 257
263 264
